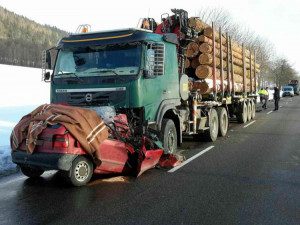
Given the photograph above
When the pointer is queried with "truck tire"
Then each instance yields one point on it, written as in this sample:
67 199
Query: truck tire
212 133
249 115
81 171
31 172
242 115
253 110
169 136
223 121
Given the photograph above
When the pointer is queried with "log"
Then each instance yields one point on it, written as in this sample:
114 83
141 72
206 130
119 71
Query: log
205 71
208 32
198 24
206 47
187 63
192 50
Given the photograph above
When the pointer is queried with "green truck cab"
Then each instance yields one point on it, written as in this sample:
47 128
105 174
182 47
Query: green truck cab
133 70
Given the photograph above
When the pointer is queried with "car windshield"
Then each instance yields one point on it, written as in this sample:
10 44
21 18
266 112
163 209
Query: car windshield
102 60
288 89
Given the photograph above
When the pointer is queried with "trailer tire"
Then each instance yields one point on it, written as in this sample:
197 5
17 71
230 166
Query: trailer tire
81 171
212 133
223 121
242 115
249 114
31 172
253 110
169 136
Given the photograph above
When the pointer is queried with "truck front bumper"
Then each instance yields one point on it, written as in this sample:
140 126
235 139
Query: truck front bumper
50 161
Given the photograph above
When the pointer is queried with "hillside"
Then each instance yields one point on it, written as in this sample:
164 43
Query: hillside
22 40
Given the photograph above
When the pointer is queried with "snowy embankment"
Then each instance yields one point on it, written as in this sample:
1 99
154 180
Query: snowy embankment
21 91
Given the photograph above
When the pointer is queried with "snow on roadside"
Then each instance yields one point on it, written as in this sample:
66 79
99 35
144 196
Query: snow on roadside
22 86
6 164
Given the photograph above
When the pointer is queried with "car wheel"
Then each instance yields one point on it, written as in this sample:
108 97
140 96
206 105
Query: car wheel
81 171
31 172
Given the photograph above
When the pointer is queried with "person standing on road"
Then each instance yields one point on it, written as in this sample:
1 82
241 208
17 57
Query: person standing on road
261 95
266 93
276 98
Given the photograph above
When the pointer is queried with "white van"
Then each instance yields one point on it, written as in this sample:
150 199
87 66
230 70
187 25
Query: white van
288 91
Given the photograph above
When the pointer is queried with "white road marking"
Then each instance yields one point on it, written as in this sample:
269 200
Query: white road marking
269 112
191 159
280 106
250 123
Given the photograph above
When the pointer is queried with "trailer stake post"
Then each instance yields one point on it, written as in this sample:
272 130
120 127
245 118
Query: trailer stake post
214 62
232 71
221 64
244 71
228 67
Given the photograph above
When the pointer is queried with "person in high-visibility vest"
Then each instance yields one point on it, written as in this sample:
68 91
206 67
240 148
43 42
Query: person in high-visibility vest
261 95
266 93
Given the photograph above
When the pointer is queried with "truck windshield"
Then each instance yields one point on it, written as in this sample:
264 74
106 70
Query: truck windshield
102 60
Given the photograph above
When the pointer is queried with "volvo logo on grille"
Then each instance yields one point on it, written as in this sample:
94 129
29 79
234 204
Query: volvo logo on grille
88 97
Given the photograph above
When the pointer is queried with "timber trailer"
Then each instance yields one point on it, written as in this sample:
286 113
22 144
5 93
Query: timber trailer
141 72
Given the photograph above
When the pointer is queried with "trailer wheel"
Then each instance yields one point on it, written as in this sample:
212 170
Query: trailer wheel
253 110
169 136
31 172
249 114
212 133
81 171
242 115
223 121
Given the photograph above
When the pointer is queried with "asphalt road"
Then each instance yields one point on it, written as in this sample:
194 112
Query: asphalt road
251 176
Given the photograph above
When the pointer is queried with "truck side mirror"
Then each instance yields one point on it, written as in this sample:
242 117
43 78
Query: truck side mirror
48 59
150 63
47 76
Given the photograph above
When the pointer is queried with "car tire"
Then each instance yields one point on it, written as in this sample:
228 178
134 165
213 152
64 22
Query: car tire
32 172
169 136
81 171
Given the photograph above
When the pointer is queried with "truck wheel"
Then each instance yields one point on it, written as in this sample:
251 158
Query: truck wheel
169 136
253 110
249 114
31 172
243 115
212 133
223 121
81 171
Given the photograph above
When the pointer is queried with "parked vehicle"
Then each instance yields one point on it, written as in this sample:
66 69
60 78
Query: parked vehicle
295 85
288 91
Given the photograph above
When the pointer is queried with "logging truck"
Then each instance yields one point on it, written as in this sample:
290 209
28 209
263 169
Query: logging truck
177 78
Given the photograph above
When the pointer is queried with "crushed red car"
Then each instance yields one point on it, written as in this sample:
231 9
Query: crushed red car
121 153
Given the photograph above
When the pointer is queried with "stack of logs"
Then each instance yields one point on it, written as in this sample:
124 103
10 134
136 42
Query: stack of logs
199 61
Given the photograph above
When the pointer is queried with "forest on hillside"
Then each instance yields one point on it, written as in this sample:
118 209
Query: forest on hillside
22 40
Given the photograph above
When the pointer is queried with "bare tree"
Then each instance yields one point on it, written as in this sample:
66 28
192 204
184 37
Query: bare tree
283 72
